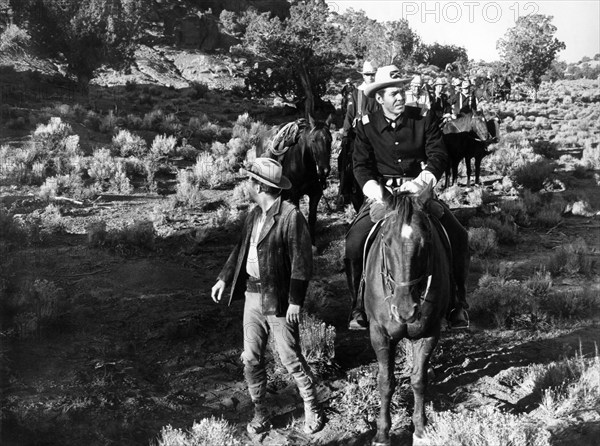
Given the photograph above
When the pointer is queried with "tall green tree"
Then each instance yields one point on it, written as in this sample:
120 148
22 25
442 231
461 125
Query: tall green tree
304 44
84 33
440 55
529 48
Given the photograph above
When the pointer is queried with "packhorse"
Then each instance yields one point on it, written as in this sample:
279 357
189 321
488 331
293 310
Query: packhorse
408 288
304 150
467 137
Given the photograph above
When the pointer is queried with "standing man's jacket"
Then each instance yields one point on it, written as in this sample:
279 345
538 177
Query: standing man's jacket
284 258
359 105
400 151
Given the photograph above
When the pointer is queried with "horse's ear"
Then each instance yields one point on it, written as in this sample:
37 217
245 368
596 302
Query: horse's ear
329 120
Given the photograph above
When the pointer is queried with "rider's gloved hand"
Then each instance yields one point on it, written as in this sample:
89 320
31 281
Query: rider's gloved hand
425 178
372 190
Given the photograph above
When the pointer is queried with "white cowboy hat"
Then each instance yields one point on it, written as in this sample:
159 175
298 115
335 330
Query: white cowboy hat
270 172
465 84
388 76
456 81
440 81
417 80
368 68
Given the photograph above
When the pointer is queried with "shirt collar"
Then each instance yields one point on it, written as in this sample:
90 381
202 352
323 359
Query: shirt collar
383 122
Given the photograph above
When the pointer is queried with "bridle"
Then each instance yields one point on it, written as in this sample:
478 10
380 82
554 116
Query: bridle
390 285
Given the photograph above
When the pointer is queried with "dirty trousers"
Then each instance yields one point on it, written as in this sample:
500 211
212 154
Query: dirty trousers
287 342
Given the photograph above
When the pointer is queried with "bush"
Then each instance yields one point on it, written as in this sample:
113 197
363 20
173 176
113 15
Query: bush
504 227
163 145
211 171
129 144
510 155
547 149
152 120
171 125
317 340
534 174
14 40
483 241
571 259
137 236
487 426
207 432
188 190
591 157
108 173
199 90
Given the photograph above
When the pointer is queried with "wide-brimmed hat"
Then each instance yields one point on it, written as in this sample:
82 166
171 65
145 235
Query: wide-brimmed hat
456 81
368 68
348 80
440 81
465 84
416 80
270 172
388 76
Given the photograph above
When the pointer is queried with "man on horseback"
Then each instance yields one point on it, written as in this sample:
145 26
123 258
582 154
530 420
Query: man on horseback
270 267
397 147
358 106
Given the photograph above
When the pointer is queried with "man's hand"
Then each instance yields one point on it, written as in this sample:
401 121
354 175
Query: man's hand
372 190
293 314
415 186
217 291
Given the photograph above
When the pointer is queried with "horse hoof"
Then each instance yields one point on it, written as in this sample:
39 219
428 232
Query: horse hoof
420 441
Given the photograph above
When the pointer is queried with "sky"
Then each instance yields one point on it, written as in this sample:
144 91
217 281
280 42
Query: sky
477 25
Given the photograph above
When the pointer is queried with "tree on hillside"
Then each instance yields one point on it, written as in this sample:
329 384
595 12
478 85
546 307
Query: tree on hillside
529 48
440 55
83 33
359 33
303 44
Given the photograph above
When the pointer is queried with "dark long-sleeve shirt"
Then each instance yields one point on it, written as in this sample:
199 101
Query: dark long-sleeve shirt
381 149
355 112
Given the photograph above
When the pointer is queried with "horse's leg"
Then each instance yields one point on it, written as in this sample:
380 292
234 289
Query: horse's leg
478 157
422 350
313 203
385 350
468 166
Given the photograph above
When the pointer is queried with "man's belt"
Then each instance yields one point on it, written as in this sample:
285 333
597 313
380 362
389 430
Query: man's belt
253 285
395 181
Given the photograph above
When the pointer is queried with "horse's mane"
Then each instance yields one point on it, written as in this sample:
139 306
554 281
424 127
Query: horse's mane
405 204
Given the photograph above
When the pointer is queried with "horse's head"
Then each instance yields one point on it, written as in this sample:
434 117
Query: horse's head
479 127
318 139
405 254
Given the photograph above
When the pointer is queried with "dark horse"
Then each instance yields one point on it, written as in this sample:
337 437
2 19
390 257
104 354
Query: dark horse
407 291
306 162
467 136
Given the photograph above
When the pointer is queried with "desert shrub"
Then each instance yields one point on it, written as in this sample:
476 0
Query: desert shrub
137 236
187 151
51 136
540 284
108 123
533 175
108 173
211 171
208 132
485 427
171 125
129 144
153 119
14 39
134 121
163 145
548 218
571 259
11 231
187 191
509 156
206 432
547 149
591 157
317 339
483 241
503 226
96 233
92 121
196 123
198 90
572 304
517 210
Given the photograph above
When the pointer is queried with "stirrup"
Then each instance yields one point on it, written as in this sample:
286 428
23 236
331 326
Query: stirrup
464 324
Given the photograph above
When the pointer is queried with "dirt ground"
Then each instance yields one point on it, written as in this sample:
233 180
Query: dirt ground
144 346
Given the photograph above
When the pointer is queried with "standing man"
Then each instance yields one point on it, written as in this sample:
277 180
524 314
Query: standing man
347 91
271 265
392 146
358 106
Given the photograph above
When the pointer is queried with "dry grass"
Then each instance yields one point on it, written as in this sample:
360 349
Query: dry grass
207 432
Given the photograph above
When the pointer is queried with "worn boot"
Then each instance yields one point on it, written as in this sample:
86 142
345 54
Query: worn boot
358 318
261 421
313 417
